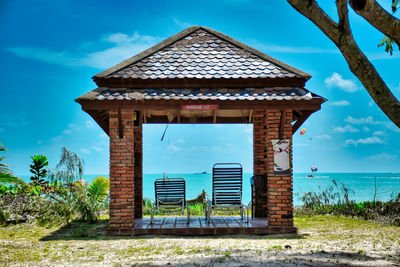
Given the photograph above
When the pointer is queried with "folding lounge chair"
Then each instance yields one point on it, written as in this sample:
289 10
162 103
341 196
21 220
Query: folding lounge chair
170 197
226 188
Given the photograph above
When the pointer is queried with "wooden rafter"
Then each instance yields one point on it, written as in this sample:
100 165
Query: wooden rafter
303 117
282 123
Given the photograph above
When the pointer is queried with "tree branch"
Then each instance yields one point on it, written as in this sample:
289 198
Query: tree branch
343 13
358 63
378 17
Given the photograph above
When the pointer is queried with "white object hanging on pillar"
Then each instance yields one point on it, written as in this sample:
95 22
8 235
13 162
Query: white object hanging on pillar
281 156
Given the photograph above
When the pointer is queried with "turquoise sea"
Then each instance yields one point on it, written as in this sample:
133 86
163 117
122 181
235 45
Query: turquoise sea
363 184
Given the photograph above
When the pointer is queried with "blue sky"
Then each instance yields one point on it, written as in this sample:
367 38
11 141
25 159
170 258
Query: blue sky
49 51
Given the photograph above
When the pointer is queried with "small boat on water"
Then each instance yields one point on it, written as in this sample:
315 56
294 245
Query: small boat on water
310 175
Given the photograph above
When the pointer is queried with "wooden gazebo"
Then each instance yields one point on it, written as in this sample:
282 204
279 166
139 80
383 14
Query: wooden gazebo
200 76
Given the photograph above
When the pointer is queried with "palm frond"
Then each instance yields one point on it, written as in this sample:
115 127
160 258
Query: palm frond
98 188
10 178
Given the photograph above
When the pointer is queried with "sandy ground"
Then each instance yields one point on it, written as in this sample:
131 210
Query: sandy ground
322 241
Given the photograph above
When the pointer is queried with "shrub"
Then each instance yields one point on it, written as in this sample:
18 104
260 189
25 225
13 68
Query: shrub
336 200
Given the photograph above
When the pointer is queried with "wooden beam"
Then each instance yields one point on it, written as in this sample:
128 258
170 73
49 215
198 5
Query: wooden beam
251 116
314 104
171 114
164 119
215 116
282 123
179 116
303 117
144 116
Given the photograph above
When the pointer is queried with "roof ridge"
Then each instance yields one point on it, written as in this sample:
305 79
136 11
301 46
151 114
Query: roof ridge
174 38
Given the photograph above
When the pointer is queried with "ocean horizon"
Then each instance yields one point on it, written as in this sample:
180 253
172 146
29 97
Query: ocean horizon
363 184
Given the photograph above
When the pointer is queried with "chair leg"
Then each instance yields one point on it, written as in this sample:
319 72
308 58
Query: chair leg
241 213
152 215
188 215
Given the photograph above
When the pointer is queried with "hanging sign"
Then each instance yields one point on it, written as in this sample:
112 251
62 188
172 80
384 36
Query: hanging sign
199 107
281 156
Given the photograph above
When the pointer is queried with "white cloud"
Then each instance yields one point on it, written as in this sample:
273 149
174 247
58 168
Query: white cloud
13 119
71 128
57 138
370 120
324 136
96 148
85 151
346 129
366 120
381 133
103 135
291 49
67 131
89 124
182 24
370 103
40 142
382 156
116 47
174 148
336 80
341 103
248 129
180 141
392 126
366 129
366 141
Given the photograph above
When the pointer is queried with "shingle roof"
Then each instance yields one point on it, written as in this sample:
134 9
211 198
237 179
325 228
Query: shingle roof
201 53
266 93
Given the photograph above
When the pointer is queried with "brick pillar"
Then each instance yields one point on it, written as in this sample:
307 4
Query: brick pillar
121 172
260 162
138 148
279 196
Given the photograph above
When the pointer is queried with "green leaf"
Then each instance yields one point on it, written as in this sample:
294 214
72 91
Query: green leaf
388 44
394 5
98 188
